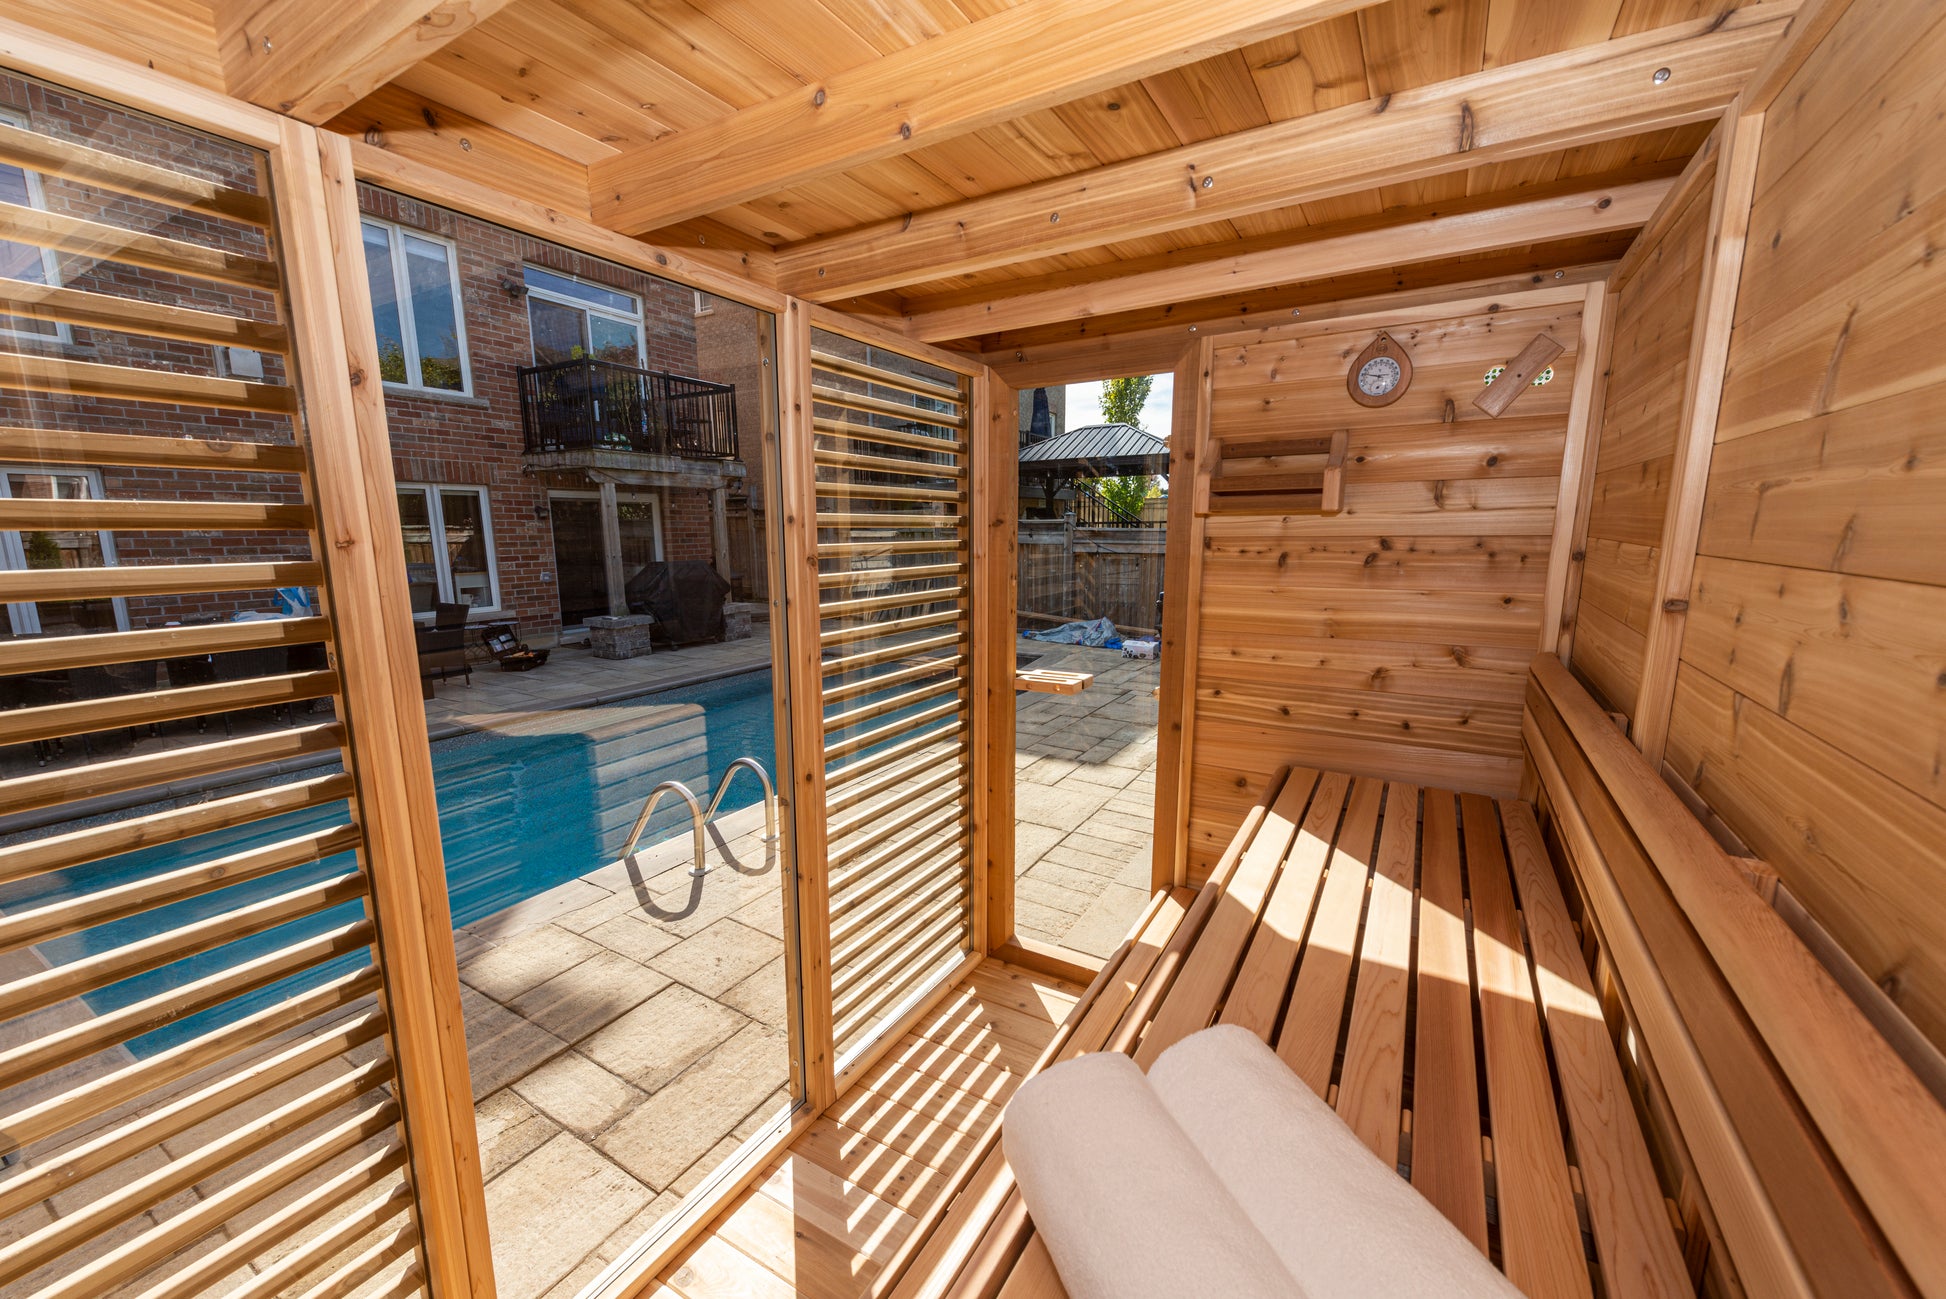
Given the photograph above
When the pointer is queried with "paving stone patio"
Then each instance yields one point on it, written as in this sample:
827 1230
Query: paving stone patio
1084 800
625 1032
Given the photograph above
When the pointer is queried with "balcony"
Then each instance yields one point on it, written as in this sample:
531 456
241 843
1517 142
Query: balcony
598 406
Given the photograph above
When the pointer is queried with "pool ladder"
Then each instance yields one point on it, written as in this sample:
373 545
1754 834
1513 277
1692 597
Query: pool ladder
698 818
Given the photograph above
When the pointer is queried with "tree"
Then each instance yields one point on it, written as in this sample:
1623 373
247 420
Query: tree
1127 495
1122 399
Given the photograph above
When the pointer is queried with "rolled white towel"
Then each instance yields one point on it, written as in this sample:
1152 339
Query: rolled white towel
1126 1206
1344 1224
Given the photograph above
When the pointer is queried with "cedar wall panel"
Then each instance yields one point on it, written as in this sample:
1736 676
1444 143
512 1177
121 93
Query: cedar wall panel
1811 701
1655 313
1392 638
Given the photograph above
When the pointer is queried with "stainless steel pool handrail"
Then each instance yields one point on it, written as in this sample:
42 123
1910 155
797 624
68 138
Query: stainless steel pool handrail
696 819
770 795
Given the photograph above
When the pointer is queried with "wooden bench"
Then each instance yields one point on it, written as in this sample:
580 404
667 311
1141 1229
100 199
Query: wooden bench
1573 1024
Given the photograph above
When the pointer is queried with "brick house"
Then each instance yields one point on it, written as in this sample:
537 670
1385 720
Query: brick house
533 533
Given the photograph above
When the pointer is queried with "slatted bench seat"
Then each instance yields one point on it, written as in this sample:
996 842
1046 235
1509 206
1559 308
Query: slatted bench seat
1413 955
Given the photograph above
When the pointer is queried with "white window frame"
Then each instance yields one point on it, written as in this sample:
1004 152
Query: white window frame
25 617
37 199
587 308
442 562
402 294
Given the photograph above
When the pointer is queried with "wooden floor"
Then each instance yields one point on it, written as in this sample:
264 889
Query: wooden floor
834 1208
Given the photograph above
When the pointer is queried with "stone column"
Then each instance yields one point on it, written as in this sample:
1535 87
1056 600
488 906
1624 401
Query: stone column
719 527
611 550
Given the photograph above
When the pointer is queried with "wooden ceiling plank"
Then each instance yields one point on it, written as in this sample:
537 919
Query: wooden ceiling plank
445 81
1034 56
1209 98
312 61
1587 212
395 120
1582 95
1309 70
503 65
1526 29
1410 44
566 39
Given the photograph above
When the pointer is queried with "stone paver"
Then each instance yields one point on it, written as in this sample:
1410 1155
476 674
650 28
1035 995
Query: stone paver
1084 800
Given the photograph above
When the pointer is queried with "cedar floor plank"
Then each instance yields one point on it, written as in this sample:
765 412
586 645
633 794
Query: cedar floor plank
1265 973
901 1181
713 1268
919 1062
798 1252
1205 975
931 1138
1372 1081
1308 1041
1447 1166
1640 1256
1540 1236
842 1210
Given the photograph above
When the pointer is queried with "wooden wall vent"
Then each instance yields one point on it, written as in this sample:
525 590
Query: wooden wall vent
1279 475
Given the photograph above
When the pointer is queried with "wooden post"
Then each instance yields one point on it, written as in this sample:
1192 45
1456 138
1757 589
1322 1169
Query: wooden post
1577 464
611 549
797 588
337 356
994 508
1182 568
1709 357
719 525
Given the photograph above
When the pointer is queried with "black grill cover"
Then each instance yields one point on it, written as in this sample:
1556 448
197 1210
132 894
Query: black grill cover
685 598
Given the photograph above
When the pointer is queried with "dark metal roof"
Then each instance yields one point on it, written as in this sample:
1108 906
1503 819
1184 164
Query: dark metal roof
1100 450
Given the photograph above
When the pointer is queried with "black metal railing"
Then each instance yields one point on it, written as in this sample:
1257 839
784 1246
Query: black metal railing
590 405
1093 510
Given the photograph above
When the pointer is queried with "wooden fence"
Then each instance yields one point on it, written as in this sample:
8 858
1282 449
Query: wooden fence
1071 573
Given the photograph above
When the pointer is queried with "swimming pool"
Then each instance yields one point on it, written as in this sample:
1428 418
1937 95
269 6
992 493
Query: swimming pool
524 805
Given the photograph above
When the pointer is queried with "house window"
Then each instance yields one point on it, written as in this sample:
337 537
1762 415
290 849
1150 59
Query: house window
448 546
24 261
23 551
570 319
416 309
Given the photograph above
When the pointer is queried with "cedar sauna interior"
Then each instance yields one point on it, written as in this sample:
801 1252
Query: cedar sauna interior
1550 715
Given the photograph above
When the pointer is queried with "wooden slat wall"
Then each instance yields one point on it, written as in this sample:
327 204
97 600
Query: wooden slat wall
210 1057
1809 708
1655 313
893 544
1390 639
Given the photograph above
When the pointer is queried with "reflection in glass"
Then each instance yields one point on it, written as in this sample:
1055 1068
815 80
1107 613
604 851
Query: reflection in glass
464 518
421 572
385 304
435 324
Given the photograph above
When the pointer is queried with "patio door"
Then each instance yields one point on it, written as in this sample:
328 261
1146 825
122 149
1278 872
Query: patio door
580 566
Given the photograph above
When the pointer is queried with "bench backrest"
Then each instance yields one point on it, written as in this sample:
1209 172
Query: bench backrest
1807 1148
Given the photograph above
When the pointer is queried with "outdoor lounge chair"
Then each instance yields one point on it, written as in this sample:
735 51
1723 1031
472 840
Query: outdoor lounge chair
512 655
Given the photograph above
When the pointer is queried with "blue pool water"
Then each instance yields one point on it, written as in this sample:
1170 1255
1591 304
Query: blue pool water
523 807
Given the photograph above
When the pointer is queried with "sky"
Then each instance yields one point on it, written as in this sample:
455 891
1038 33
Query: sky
1084 405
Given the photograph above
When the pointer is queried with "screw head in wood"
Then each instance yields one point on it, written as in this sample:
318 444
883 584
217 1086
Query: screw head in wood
1661 75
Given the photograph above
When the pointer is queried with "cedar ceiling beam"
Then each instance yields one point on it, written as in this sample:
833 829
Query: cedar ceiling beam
1591 211
312 59
1581 96
1033 56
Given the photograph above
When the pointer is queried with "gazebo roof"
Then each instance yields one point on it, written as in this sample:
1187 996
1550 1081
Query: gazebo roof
1098 450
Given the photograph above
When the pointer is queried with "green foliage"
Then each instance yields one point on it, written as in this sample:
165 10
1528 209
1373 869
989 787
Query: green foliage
391 361
42 550
1127 495
1122 399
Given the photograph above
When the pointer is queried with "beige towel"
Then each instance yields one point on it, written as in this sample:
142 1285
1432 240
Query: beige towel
1345 1225
1127 1209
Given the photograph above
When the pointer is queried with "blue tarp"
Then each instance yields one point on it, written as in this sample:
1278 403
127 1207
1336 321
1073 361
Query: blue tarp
1100 633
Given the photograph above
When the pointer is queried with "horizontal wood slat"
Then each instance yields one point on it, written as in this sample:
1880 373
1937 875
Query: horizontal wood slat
884 378
153 516
84 716
97 779
931 443
155 579
81 238
55 653
67 447
127 383
877 406
66 306
68 160
91 843
899 600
